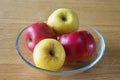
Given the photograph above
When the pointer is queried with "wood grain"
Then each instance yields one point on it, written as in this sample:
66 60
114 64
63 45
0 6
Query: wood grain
17 14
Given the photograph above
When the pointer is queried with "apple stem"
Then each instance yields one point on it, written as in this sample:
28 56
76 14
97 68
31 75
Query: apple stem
51 52
30 39
63 18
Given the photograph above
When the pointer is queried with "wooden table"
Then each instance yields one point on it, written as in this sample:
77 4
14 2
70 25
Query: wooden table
17 14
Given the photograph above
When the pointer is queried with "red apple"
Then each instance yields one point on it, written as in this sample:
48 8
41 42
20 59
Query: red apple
78 45
36 32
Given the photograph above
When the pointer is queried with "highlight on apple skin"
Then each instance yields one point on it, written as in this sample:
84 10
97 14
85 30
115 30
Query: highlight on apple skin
63 20
79 45
49 54
36 32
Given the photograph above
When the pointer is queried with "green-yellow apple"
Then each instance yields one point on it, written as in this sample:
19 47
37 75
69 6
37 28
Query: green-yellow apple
49 54
63 21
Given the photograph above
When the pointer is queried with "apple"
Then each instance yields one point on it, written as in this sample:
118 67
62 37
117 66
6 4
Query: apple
36 32
79 45
49 54
63 21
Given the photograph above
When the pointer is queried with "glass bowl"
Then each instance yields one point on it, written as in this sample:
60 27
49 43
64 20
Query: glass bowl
72 68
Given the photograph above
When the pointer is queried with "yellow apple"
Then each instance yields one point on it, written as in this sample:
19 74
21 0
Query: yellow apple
49 54
63 21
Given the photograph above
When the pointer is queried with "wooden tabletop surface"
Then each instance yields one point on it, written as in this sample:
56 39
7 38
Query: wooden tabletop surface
17 14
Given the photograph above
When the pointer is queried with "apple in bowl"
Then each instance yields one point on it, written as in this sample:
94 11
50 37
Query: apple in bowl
49 54
36 32
79 45
63 21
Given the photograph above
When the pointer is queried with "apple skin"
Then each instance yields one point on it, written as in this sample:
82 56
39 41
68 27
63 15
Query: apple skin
63 20
79 46
36 32
49 54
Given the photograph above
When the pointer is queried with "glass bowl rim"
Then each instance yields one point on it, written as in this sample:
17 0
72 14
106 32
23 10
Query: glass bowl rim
66 71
